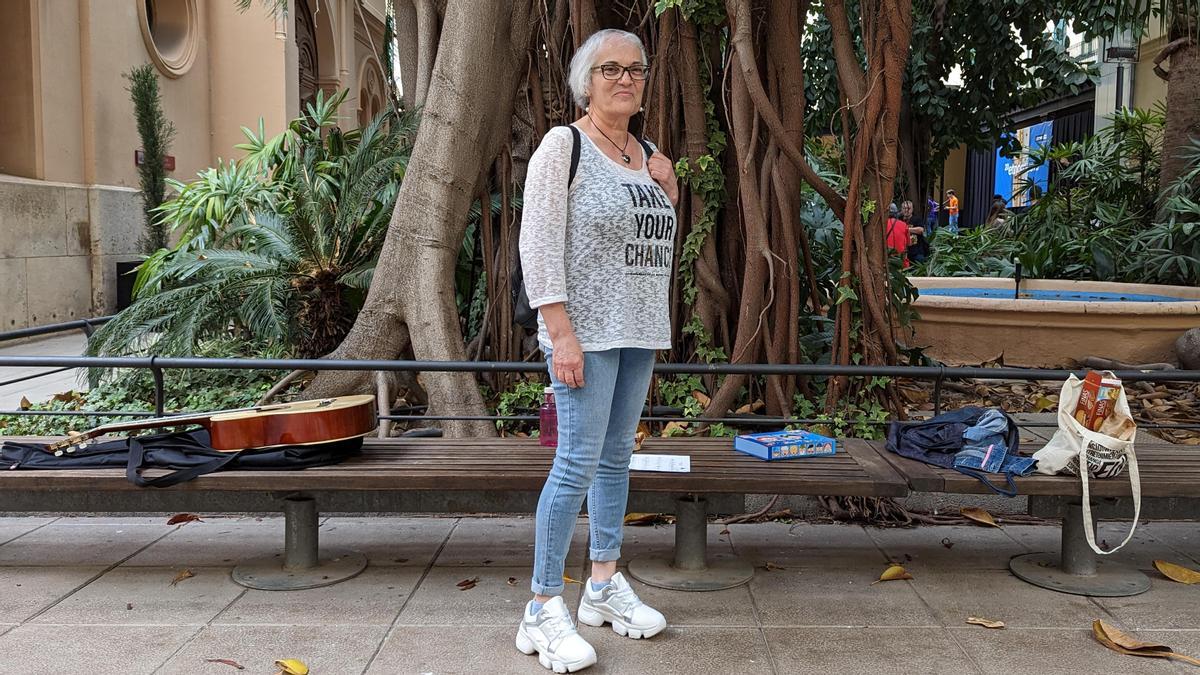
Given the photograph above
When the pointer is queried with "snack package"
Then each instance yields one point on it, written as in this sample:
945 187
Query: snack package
1096 400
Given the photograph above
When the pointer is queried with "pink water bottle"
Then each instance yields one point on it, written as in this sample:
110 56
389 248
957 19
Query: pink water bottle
548 420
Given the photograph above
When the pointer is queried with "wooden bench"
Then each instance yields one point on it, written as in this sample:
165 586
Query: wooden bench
510 464
1166 471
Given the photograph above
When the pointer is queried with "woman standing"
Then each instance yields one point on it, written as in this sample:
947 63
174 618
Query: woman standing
597 256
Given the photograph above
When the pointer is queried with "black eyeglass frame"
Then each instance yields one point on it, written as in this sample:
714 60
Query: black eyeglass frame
622 70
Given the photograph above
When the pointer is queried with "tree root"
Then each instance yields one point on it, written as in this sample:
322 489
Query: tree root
280 386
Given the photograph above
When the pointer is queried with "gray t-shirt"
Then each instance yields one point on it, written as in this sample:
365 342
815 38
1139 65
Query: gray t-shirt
604 246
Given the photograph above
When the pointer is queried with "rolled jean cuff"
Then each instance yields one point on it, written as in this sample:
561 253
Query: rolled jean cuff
604 555
539 589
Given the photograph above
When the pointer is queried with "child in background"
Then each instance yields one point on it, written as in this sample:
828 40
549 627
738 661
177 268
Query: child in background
952 210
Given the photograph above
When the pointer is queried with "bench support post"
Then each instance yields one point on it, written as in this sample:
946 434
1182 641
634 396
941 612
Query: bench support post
691 569
1077 569
302 566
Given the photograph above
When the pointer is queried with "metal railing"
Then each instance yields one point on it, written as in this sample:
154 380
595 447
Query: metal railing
158 366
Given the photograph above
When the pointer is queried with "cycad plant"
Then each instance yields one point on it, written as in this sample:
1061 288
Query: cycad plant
277 248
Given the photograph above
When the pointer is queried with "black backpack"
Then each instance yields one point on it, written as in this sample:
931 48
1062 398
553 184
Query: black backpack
524 315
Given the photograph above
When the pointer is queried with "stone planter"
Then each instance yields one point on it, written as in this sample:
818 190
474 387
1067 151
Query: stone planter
1052 323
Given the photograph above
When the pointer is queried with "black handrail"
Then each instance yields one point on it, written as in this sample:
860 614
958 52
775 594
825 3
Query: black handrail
938 374
86 325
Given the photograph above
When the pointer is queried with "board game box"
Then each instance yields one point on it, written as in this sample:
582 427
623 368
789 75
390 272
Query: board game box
773 445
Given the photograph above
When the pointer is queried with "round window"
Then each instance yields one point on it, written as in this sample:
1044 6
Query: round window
169 31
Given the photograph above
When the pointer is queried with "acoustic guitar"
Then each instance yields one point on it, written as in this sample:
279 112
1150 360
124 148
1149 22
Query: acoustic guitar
299 423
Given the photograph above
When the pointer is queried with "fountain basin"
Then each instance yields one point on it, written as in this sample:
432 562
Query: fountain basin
972 320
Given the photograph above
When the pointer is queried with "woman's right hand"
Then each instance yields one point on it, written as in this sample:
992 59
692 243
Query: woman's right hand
567 360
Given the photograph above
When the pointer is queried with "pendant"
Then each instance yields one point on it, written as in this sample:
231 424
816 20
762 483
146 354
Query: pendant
626 158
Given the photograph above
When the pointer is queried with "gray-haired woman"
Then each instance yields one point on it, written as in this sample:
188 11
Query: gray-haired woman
597 257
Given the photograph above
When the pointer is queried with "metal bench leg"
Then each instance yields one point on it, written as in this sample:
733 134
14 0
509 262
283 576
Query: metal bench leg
691 570
1078 570
302 565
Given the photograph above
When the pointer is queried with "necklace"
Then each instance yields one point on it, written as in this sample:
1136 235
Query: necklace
621 149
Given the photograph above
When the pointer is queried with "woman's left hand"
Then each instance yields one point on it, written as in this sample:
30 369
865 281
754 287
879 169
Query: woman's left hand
662 170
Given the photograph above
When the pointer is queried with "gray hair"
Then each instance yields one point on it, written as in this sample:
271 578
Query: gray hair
579 77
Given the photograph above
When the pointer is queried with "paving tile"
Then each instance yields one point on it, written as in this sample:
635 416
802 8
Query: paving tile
388 541
373 598
503 541
26 590
100 650
866 650
11 528
326 649
1180 641
1048 652
107 600
492 602
806 545
997 594
836 597
215 542
1140 552
1183 537
692 649
970 547
1168 604
474 649
69 545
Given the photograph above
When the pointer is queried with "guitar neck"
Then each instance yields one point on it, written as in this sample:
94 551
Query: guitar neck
152 423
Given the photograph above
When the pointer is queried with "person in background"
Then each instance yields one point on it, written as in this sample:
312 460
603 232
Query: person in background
952 211
898 233
918 246
931 217
998 214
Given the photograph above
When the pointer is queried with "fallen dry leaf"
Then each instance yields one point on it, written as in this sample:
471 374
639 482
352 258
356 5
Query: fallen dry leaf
641 518
228 662
291 667
183 518
569 580
672 428
978 515
1123 643
638 439
1183 575
701 398
186 574
770 566
512 581
986 623
1044 403
25 404
893 573
467 584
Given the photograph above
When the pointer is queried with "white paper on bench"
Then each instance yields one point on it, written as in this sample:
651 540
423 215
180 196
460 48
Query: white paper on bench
674 463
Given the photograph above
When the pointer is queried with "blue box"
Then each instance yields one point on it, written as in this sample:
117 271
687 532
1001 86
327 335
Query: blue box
774 445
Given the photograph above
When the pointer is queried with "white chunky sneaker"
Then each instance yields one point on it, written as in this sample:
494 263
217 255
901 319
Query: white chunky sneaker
617 604
551 634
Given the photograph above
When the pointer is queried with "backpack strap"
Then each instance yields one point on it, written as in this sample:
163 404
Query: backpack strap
646 146
574 153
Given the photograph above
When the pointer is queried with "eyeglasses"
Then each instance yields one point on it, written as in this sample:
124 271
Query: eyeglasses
611 71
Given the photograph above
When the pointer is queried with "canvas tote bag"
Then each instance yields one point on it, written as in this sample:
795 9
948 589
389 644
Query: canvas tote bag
1103 454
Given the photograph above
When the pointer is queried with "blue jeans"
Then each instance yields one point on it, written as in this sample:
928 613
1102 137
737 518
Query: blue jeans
953 225
596 427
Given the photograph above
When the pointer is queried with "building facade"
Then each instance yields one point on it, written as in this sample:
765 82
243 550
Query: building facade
69 202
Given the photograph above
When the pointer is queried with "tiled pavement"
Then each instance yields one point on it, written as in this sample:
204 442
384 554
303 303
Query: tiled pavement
94 595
